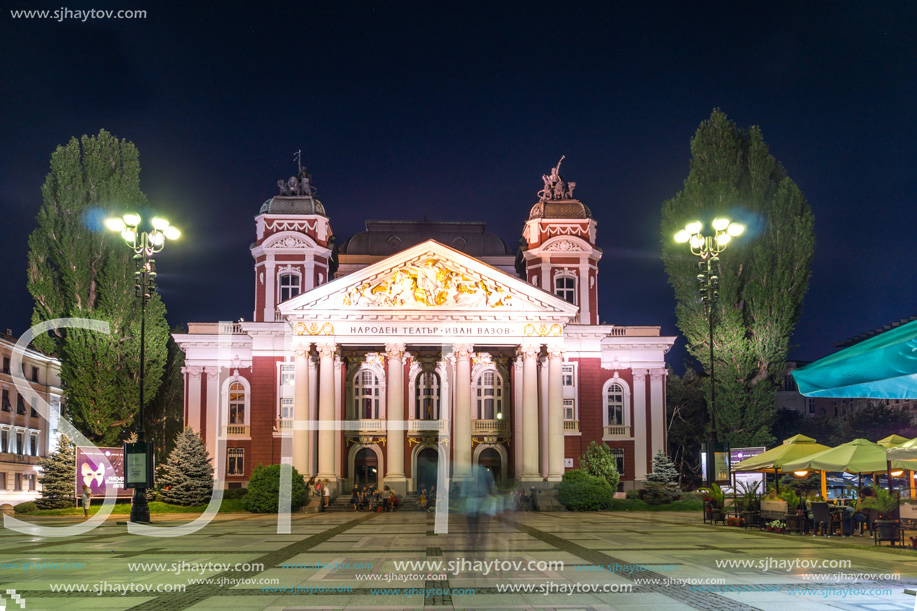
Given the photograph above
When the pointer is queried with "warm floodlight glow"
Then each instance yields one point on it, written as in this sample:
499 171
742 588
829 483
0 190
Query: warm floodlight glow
800 473
172 233
131 219
720 224
694 227
129 235
723 238
897 473
115 225
735 229
682 236
697 241
159 224
156 238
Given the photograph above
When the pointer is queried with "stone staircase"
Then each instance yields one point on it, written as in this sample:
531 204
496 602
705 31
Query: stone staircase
342 503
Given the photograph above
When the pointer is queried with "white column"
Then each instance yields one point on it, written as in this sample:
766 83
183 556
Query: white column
270 292
313 415
338 415
657 410
394 406
461 422
301 446
530 412
543 416
326 412
517 416
213 423
640 432
555 413
193 384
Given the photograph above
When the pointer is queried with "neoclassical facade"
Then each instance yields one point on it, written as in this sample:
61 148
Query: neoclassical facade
416 350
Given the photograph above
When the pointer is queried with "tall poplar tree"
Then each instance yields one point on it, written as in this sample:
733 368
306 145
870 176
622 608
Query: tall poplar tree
764 274
78 269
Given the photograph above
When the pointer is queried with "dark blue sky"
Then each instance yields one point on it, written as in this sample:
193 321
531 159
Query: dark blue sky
455 110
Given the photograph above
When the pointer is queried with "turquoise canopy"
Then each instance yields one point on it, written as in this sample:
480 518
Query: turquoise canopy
881 367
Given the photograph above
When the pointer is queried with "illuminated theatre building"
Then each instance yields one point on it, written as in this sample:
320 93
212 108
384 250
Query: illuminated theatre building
429 341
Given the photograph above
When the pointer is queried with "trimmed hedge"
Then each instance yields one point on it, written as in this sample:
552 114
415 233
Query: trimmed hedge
580 491
264 490
27 507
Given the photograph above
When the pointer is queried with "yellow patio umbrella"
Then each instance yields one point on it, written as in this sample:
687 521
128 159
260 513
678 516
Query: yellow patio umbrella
891 441
773 460
857 456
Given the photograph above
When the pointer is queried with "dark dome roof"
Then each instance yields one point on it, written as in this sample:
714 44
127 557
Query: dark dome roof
560 209
388 237
292 204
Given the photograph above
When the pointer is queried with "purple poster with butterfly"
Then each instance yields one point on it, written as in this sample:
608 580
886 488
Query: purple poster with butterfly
93 471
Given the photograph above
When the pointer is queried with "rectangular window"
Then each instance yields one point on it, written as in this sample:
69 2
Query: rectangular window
235 461
17 481
287 374
569 410
2 480
31 478
4 440
32 411
567 375
565 288
286 409
34 374
6 365
618 454
20 446
34 443
7 406
289 286
811 403
20 405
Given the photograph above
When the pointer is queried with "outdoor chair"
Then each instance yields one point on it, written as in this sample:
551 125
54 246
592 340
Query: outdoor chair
823 518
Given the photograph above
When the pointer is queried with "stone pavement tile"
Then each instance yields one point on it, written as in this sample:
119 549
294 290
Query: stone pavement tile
118 603
249 603
488 601
394 601
556 599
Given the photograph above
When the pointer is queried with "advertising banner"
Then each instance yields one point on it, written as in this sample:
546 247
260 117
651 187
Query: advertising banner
92 471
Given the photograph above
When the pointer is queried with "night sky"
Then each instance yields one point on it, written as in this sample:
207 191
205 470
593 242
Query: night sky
453 111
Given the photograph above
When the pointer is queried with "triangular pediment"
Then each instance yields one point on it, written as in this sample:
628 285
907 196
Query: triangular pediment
429 277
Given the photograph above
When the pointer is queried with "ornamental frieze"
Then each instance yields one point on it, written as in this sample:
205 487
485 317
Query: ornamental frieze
430 283
313 328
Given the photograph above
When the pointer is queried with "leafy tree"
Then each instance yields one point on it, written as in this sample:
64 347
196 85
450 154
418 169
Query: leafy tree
264 490
58 476
600 462
662 484
580 491
685 408
764 274
188 477
77 269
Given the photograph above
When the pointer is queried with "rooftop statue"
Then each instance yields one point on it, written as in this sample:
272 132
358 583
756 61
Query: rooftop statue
299 185
555 187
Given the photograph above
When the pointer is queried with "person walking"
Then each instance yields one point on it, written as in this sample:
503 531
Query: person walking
326 493
87 500
355 497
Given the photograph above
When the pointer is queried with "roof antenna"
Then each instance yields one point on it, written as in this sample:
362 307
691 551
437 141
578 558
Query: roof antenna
298 157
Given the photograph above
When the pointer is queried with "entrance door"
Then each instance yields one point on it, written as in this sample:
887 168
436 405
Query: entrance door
490 460
427 466
366 468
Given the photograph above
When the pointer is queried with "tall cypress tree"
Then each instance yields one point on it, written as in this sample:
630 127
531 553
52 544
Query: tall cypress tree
58 476
764 274
77 269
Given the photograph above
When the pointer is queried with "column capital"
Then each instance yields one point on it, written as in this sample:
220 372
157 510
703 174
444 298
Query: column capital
193 372
639 374
302 348
212 372
659 373
529 350
462 352
394 352
555 350
326 349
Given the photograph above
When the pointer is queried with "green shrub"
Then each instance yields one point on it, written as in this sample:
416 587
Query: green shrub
694 495
633 494
264 490
234 494
580 491
600 462
27 507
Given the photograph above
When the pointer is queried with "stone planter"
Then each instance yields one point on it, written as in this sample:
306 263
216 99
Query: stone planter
887 530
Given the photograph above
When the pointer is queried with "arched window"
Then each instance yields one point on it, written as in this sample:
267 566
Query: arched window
236 403
489 392
366 396
614 404
289 285
565 287
426 403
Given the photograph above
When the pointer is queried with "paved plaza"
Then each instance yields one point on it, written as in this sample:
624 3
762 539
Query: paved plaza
348 561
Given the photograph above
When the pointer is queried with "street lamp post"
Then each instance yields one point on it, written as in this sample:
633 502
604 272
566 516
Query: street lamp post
708 248
145 245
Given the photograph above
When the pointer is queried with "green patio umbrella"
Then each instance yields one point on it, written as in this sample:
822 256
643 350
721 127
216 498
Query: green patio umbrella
906 451
891 441
881 367
794 448
857 456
